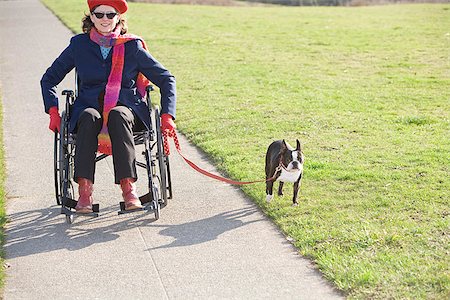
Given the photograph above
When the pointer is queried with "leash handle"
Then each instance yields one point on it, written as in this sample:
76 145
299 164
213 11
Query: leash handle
172 134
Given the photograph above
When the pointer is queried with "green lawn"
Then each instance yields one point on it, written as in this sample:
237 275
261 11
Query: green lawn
365 89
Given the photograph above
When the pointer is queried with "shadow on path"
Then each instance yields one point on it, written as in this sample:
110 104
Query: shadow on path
204 230
45 230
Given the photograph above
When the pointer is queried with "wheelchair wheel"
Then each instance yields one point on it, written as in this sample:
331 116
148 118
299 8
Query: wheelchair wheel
163 161
154 183
66 163
156 203
169 179
56 168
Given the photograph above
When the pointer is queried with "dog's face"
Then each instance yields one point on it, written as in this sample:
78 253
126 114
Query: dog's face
292 158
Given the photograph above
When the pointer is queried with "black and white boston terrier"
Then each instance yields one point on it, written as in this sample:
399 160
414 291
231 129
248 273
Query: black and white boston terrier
283 164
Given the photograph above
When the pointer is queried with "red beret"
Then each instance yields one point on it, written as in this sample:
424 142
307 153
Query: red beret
121 6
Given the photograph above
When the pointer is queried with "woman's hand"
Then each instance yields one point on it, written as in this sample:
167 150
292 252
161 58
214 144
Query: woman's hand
55 119
167 123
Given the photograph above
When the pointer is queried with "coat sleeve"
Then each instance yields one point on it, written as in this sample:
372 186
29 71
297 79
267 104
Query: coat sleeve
54 75
160 76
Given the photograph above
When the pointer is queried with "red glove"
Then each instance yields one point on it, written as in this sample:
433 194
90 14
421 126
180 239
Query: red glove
167 123
55 119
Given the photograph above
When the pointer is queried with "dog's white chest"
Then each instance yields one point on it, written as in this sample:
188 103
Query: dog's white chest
287 176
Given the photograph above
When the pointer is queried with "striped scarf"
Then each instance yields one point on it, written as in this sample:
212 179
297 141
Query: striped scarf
112 91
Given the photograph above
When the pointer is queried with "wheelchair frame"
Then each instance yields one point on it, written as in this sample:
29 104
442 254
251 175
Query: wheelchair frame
159 181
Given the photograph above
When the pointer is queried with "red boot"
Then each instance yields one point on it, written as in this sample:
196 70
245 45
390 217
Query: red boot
85 189
129 194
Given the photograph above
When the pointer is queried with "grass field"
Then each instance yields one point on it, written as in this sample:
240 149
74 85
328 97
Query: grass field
365 89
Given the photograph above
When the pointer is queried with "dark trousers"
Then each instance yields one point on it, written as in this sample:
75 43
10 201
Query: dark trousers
121 122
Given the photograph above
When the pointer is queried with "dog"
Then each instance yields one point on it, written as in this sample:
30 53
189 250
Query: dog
283 164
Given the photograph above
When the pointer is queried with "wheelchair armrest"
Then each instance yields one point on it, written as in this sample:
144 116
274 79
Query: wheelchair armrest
69 93
70 98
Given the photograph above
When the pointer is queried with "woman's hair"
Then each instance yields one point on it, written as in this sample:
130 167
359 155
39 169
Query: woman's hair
88 24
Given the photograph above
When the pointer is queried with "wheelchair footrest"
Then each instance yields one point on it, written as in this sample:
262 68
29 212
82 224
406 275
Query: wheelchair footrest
71 203
147 206
70 213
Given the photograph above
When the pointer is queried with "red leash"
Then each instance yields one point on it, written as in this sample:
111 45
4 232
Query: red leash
172 134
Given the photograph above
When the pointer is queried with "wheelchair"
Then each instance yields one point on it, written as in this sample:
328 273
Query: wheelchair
153 160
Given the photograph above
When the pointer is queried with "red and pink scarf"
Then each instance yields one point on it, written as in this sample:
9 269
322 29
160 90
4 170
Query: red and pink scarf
117 41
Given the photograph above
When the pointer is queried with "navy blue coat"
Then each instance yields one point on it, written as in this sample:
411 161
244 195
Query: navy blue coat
93 71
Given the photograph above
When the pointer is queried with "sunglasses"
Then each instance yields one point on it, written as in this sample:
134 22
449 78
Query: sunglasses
109 15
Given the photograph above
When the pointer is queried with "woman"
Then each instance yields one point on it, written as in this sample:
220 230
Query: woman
112 69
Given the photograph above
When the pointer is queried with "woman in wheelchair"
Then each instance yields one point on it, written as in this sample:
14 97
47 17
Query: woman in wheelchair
113 70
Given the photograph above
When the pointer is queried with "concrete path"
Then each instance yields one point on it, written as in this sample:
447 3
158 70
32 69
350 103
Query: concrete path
211 242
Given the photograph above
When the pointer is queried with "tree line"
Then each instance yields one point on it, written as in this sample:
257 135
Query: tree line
341 2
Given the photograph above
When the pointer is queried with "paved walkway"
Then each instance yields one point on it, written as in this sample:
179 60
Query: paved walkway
211 242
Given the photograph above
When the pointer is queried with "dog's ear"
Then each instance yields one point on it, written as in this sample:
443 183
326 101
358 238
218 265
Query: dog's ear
299 146
284 146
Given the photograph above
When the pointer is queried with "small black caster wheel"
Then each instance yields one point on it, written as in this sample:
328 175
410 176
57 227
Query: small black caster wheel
69 219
